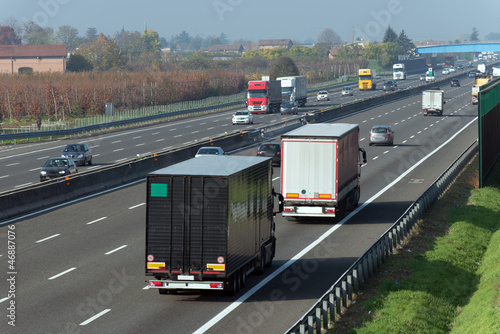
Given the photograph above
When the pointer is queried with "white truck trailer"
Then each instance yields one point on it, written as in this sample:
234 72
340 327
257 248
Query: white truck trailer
320 170
433 102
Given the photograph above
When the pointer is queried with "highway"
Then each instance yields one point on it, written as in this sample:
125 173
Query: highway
20 164
81 265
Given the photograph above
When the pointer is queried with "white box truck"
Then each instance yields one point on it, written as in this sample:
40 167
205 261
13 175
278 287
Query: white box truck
398 72
294 88
320 170
433 102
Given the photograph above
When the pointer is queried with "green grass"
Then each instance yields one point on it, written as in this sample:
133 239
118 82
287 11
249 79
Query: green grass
453 286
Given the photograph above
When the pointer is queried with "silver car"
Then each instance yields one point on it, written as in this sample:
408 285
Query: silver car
209 150
381 134
347 90
79 152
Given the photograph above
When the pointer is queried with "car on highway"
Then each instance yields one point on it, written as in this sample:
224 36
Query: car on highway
422 77
381 134
209 150
452 69
79 152
460 67
445 71
323 96
272 150
347 91
472 74
389 85
289 107
242 117
57 167
455 83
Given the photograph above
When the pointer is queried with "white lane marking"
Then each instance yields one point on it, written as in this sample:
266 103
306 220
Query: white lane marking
386 152
203 123
137 137
97 220
136 206
115 142
160 140
155 133
45 239
375 158
177 136
195 132
43 158
362 139
115 250
12 164
63 273
4 299
412 136
89 320
172 129
140 144
34 169
122 159
1 177
276 178
210 128
188 126
319 240
120 149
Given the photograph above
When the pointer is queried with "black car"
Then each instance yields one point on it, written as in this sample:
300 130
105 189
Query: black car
272 150
57 167
389 85
79 152
455 83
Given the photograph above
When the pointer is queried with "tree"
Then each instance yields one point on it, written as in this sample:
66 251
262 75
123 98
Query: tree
8 36
103 53
329 37
151 41
404 42
390 35
78 63
36 35
492 36
68 36
284 66
91 34
475 35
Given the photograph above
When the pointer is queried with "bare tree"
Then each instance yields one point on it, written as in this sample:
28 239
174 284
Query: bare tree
329 37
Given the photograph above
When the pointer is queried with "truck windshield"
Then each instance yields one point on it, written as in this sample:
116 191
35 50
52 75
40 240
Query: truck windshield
286 90
260 93
396 70
365 77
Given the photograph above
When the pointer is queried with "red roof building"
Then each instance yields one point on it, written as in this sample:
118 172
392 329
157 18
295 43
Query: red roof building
32 58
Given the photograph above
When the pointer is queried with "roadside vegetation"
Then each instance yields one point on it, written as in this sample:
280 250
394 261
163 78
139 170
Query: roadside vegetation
446 278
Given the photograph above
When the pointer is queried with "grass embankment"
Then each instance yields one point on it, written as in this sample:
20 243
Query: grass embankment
446 278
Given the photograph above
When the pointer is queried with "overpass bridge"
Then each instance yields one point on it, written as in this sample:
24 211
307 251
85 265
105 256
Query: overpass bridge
451 48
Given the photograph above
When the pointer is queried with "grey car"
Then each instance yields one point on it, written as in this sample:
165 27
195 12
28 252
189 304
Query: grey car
389 85
57 167
209 150
381 134
79 152
347 90
289 107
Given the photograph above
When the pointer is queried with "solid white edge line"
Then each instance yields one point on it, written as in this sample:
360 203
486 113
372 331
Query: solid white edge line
278 271
63 273
89 320
45 239
115 250
4 299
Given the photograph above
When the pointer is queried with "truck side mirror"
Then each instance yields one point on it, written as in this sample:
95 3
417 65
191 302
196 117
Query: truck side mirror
362 150
444 102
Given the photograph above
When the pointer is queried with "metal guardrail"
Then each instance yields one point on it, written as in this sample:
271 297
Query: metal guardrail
329 307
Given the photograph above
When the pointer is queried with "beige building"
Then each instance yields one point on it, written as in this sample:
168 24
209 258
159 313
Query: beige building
32 58
274 43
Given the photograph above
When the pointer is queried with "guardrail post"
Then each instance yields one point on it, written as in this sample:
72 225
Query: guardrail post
338 306
349 289
318 320
344 293
324 313
355 279
310 324
331 305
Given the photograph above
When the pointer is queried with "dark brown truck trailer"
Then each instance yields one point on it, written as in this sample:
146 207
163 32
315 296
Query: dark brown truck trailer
209 223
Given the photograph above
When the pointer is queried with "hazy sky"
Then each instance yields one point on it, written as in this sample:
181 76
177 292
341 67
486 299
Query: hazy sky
266 19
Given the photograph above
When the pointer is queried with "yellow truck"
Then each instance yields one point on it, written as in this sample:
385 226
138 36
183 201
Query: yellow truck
367 79
479 80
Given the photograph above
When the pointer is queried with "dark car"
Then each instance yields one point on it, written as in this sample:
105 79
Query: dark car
455 83
57 167
389 85
472 74
79 152
289 107
272 150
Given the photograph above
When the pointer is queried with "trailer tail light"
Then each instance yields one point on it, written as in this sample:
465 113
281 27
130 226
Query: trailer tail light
325 196
216 286
288 209
292 195
160 284
329 210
